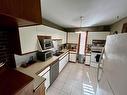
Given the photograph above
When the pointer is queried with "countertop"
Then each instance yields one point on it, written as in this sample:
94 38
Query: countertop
11 81
88 54
37 68
75 52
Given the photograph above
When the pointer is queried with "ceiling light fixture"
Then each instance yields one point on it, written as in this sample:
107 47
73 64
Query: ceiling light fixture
80 29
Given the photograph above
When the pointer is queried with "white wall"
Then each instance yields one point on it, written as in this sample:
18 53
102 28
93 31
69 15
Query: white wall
73 37
55 33
82 43
118 25
20 59
96 36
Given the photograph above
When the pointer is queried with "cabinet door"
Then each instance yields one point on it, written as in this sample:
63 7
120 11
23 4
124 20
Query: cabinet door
40 90
47 76
72 57
26 12
73 37
87 61
28 39
66 59
54 33
61 65
63 62
93 57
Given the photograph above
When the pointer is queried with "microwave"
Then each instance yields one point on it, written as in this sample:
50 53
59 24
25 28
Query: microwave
43 56
46 44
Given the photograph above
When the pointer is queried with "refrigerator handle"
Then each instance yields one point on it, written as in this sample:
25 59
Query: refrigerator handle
101 61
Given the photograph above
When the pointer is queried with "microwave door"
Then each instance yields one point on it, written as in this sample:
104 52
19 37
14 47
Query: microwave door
48 55
47 44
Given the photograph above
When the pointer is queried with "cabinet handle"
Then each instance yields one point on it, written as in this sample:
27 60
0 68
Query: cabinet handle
99 65
3 63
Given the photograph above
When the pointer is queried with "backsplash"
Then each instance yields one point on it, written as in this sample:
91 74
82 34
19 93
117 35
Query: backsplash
24 58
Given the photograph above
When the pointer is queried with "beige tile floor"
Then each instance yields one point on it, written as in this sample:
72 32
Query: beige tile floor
75 79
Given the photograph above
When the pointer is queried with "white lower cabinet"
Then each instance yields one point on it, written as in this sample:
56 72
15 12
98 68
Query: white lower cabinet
61 65
67 58
47 81
87 60
63 62
46 74
73 57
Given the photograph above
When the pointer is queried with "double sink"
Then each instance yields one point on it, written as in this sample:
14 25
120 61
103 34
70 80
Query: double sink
58 53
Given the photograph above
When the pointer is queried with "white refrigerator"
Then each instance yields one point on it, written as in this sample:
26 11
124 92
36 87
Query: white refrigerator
113 79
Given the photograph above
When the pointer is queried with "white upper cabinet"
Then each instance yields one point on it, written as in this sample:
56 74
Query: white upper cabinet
28 39
73 37
96 36
54 33
28 36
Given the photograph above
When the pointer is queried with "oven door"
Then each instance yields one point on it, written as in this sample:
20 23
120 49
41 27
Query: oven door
94 61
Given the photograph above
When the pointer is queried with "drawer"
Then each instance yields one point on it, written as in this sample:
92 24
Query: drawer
44 71
63 56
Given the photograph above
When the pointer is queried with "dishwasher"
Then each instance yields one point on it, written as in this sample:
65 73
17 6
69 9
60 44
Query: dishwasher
54 71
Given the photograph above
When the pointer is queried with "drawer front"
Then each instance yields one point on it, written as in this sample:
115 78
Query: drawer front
87 59
44 71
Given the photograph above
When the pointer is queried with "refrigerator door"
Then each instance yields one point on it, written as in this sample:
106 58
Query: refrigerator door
103 88
115 63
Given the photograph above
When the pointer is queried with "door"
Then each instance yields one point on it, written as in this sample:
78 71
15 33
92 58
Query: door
66 58
61 65
72 57
94 63
63 62
47 76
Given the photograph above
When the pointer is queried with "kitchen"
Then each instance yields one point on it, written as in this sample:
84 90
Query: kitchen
38 57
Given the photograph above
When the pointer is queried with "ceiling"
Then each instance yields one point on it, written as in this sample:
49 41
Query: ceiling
66 13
